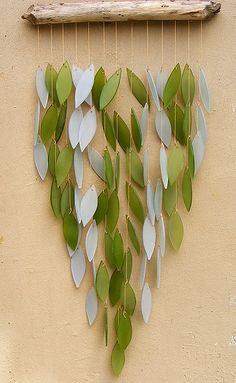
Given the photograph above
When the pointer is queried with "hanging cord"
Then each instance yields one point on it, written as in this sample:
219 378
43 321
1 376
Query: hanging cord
175 125
201 56
162 65
189 88
63 41
38 41
89 50
148 119
76 43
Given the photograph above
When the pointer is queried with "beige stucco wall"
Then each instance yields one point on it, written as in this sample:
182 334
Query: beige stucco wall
44 336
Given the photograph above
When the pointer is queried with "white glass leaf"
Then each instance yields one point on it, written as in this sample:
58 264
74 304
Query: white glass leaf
84 86
145 165
158 199
91 241
201 123
204 90
150 202
143 269
41 87
144 122
88 205
75 121
162 235
149 237
198 151
91 305
76 74
163 166
146 303
36 123
94 270
163 127
78 266
158 268
97 163
77 203
78 167
41 159
162 78
87 128
153 89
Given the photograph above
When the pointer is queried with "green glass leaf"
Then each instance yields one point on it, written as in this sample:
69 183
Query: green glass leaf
110 88
70 229
187 189
63 165
99 82
135 202
187 123
187 85
52 157
117 171
137 88
55 198
117 359
115 287
49 123
176 117
123 133
109 130
175 163
170 198
191 164
135 167
102 282
67 198
127 265
128 298
50 81
172 86
124 331
132 234
175 230
112 211
108 249
102 207
64 83
109 175
136 130
61 121
118 250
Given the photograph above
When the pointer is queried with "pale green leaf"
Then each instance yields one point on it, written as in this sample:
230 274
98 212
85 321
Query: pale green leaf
187 189
187 85
187 123
191 164
118 250
135 167
108 249
175 163
172 86
136 130
128 298
176 116
127 265
109 130
109 174
52 157
109 90
112 211
61 121
55 198
137 88
49 123
64 83
102 282
50 81
175 230
170 198
135 202
124 331
63 165
133 236
117 359
67 198
99 82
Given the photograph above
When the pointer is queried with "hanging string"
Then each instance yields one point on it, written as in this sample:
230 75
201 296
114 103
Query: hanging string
76 43
89 53
162 44
175 60
189 89
148 119
63 42
201 55
38 41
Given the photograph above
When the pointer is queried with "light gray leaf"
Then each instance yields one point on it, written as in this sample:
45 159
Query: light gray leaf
158 199
91 241
142 273
84 86
158 268
204 90
87 128
76 74
146 303
78 167
145 165
150 202
36 123
162 235
198 151
97 163
41 159
88 205
77 203
75 121
91 305
153 89
162 78
163 127
144 122
163 166
201 123
41 87
149 237
78 266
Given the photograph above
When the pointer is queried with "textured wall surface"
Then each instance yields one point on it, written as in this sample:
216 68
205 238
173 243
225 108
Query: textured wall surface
44 335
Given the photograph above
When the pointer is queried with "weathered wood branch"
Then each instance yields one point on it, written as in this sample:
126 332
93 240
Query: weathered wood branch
110 11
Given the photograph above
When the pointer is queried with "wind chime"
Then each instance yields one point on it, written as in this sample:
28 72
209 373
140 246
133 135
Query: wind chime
179 100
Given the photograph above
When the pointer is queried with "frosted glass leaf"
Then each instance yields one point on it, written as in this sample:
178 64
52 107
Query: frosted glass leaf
175 230
198 151
149 237
76 74
201 123
163 127
78 167
150 202
41 159
162 77
172 86
64 83
91 305
88 205
175 163
77 203
145 165
162 235
204 90
41 87
91 241
84 86
158 199
87 128
158 268
97 163
163 166
144 122
74 126
153 89
143 269
63 164
110 89
78 266
36 123
146 303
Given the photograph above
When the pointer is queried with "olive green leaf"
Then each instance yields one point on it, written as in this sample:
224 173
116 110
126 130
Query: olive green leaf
176 116
187 123
136 130
55 198
117 359
106 324
102 207
117 171
135 167
170 198
187 189
67 198
52 157
61 121
109 175
109 90
109 129
127 265
70 229
137 88
49 123
191 164
50 81
124 331
123 133
63 165
175 230
118 250
132 234
172 86
102 282
112 211
108 249
135 202
64 83
175 163
99 82
128 298
115 287
187 85
117 319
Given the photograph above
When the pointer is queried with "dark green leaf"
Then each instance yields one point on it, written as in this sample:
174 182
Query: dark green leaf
110 88
49 123
112 211
128 298
123 133
175 163
187 123
172 86
55 198
109 129
136 130
133 235
187 189
50 81
137 88
175 230
170 198
108 249
115 287
64 83
187 85
71 230
117 171
117 359
99 82
191 164
127 265
118 250
67 198
61 121
176 116
102 282
102 207
124 331
52 157
135 202
109 175
63 165
135 167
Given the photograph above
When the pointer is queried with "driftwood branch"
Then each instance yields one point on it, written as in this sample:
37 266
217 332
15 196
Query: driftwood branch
110 11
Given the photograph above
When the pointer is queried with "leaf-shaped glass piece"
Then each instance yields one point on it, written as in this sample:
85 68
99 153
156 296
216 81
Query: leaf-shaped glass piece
117 359
145 165
61 121
127 265
146 303
110 88
41 159
162 235
163 127
109 174
112 211
50 81
74 126
99 82
175 163
63 165
201 123
187 123
204 90
176 116
49 123
117 172
158 199
136 130
198 150
149 237
162 78
132 234
36 122
163 166
102 207
91 241
84 85
67 198
88 205
102 282
118 250
78 266
91 305
135 202
158 267
70 229
64 83
135 167
150 202
170 198
172 86
124 331
175 230
78 167
41 87
88 128
123 133
52 157
115 287
187 189
109 130
137 88
76 73
108 249
153 89
187 85
128 298
55 198
77 199
144 122
97 163
191 164
143 269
